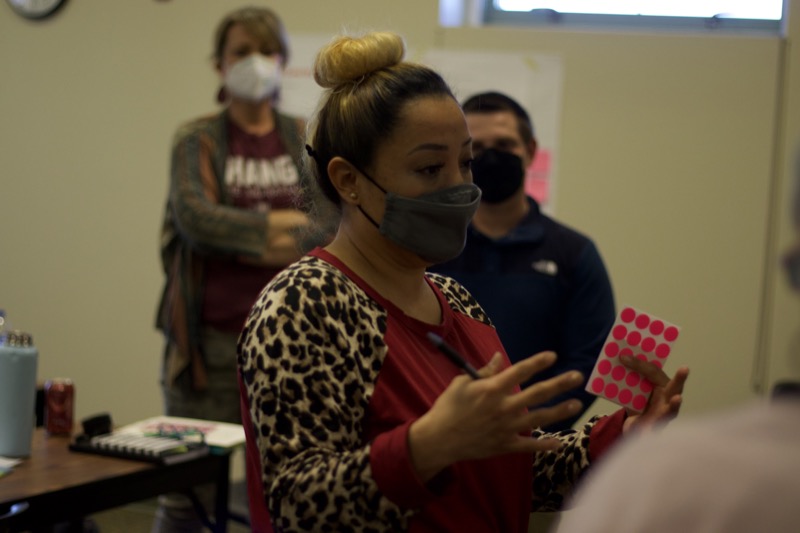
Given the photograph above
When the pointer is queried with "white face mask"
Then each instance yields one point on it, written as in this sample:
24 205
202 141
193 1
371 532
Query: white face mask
253 78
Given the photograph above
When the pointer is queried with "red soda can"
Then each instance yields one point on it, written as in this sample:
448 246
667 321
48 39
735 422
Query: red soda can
59 402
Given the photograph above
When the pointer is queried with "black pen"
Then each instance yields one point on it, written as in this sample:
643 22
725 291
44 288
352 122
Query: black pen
453 355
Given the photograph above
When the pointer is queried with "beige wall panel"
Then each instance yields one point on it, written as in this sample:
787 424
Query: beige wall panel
783 312
666 153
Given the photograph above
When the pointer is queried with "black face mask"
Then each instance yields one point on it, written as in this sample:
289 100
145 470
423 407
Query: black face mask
498 174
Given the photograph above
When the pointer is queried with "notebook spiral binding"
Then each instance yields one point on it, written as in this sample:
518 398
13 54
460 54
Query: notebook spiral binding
153 449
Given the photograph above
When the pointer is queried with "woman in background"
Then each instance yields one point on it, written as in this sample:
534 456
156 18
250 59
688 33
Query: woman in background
232 220
358 423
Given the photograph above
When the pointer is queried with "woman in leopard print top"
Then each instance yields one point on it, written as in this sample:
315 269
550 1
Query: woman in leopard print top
356 422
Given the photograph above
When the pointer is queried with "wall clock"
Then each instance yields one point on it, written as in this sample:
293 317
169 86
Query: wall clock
35 9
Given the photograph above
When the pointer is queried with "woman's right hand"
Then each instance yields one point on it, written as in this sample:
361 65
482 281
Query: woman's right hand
281 246
283 223
474 419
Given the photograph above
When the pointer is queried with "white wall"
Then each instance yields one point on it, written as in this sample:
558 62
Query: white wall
673 156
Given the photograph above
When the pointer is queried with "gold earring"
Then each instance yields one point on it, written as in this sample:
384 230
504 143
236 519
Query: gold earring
353 195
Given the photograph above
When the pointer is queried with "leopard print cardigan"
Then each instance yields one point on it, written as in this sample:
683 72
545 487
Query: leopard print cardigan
310 355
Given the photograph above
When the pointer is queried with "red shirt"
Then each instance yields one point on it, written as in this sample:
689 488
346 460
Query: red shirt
333 376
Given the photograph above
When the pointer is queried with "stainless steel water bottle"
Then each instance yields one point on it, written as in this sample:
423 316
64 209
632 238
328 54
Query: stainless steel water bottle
18 361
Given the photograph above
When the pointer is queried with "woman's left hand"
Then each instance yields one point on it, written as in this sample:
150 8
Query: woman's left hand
665 401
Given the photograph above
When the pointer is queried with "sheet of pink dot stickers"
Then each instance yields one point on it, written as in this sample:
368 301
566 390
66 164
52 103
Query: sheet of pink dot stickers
638 334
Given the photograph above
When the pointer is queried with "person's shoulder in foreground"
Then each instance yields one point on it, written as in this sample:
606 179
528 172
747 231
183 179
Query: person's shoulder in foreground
736 471
732 472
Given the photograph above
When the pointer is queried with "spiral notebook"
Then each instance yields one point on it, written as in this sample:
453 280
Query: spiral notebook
218 435
153 449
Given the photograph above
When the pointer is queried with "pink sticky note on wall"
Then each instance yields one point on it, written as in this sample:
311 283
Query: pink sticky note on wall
537 177
637 334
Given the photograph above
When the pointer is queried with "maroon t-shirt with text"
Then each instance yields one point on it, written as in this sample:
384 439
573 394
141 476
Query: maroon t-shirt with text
259 175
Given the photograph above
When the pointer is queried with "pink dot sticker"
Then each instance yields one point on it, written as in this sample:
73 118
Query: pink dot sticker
634 338
646 386
641 357
671 333
642 321
658 363
618 373
648 344
619 332
639 402
662 350
656 327
625 396
633 378
626 352
597 385
604 367
612 349
627 315
611 391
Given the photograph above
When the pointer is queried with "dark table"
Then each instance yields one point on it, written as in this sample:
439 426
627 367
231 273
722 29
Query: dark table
56 485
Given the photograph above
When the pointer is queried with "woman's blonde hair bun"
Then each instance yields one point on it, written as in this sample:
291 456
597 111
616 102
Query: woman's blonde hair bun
349 59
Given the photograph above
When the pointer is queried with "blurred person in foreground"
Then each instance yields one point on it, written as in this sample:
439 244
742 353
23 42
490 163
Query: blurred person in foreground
736 471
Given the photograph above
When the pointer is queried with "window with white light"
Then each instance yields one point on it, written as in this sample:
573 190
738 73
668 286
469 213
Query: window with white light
735 15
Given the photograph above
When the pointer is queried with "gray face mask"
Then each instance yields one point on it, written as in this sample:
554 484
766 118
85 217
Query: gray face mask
433 226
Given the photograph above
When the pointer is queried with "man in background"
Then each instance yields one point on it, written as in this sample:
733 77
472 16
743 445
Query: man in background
543 284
